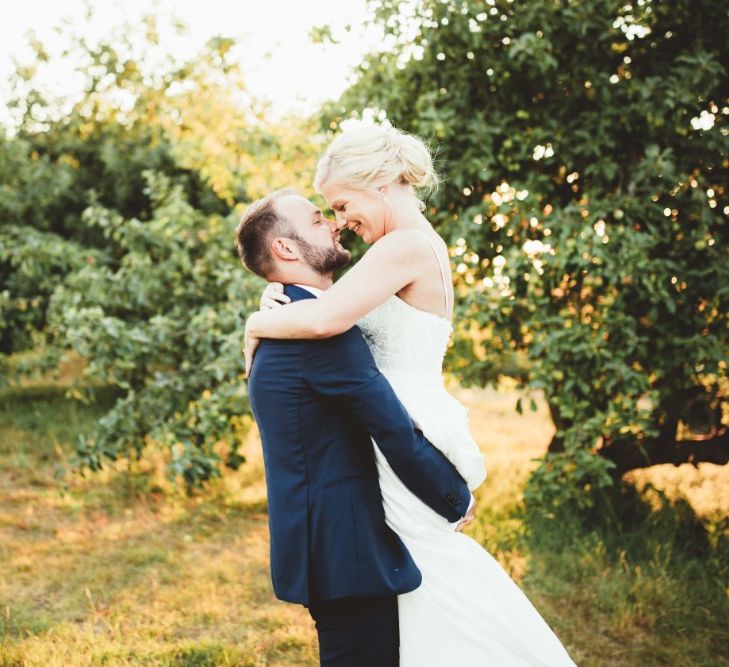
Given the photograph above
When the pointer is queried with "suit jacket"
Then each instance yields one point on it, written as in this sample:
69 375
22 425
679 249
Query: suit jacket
317 402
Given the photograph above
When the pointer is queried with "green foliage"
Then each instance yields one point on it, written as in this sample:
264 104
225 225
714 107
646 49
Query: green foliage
165 324
140 110
116 239
584 147
567 479
641 556
33 262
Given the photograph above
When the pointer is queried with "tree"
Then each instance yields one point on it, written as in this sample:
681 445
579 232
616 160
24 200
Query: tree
584 145
117 218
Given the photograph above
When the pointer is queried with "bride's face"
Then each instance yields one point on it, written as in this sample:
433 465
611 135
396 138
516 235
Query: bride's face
363 212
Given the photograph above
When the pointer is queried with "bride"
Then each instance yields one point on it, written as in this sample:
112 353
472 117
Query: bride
467 611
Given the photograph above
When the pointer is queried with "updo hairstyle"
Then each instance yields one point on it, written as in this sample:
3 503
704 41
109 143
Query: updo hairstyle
370 156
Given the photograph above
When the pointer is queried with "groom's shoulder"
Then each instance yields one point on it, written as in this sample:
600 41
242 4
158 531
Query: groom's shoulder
296 293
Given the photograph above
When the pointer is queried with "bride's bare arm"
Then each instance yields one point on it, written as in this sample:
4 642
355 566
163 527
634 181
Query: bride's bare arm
393 262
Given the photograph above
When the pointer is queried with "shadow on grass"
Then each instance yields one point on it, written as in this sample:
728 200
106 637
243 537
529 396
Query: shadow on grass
636 525
645 570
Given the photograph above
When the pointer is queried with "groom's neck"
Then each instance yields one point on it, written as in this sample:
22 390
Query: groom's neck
308 278
322 284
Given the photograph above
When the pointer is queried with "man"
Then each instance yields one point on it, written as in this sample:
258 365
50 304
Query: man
317 402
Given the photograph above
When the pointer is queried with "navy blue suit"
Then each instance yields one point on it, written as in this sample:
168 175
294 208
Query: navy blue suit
317 402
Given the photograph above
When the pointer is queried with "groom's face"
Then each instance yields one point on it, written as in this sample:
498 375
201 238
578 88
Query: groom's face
316 237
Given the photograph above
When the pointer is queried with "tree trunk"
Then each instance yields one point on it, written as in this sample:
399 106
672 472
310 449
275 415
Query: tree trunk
631 454
556 445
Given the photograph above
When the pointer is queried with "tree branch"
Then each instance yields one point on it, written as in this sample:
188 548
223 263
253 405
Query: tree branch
631 454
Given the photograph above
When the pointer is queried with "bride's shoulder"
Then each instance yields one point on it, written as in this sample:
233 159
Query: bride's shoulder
403 242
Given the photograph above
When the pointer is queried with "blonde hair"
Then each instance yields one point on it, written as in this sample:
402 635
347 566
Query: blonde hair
370 156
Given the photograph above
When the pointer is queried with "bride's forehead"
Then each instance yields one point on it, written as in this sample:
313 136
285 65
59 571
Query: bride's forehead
339 195
334 191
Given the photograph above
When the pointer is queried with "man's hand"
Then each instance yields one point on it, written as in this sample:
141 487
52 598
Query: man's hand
273 297
468 517
251 343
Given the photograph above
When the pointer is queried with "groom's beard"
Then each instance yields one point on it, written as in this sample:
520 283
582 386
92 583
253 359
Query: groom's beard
325 261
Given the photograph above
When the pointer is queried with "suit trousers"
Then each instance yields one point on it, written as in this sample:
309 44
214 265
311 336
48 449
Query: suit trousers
357 631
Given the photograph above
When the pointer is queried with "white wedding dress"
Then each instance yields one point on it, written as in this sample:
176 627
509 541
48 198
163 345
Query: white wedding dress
467 611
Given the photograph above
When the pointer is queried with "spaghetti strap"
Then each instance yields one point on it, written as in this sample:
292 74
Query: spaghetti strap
446 293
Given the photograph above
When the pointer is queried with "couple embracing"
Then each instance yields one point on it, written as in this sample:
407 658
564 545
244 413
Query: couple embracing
369 460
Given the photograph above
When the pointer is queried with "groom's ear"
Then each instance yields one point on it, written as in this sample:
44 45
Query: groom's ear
284 249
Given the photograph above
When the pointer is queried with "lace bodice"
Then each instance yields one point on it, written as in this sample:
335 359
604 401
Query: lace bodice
408 345
406 340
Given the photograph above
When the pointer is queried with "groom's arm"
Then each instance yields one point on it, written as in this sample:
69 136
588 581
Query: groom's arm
343 366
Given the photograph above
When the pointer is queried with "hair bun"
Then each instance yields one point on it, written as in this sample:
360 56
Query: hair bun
417 163
369 156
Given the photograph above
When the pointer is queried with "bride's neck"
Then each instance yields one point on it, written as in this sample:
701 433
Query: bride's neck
409 220
406 214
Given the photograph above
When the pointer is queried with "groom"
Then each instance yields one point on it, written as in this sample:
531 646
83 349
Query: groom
317 402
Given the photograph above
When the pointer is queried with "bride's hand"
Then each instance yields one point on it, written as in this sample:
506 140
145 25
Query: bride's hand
469 516
273 297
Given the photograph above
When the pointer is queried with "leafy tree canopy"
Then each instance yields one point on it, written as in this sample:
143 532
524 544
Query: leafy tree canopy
584 146
117 214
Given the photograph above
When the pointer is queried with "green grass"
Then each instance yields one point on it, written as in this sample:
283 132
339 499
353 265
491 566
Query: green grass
121 569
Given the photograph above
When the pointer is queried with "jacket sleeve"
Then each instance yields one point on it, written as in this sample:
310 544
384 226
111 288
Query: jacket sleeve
343 366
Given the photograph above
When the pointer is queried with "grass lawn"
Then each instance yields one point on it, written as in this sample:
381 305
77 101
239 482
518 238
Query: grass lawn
123 570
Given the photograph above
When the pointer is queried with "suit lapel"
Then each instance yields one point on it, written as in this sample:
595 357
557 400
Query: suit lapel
297 293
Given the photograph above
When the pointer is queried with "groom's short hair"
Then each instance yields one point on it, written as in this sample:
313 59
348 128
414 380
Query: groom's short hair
258 226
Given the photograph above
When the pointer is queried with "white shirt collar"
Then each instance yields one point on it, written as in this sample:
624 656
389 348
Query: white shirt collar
314 290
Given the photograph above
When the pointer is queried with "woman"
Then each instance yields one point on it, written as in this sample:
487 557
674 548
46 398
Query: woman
467 610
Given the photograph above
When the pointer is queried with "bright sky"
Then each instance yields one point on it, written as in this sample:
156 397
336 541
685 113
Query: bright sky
279 61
